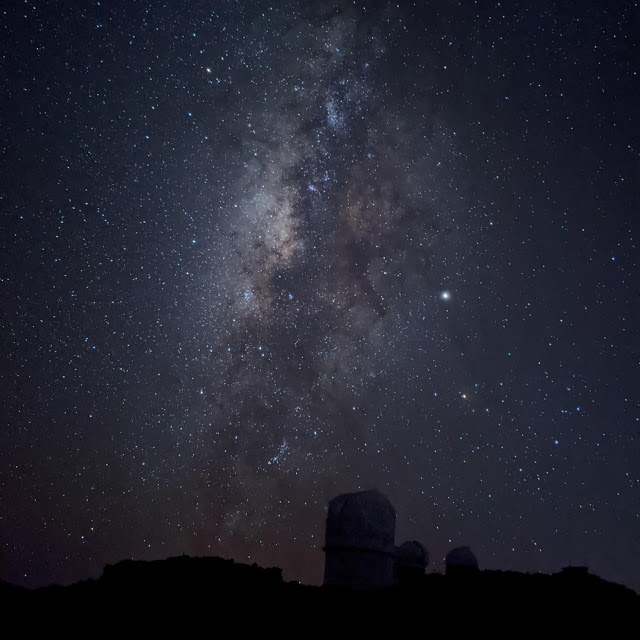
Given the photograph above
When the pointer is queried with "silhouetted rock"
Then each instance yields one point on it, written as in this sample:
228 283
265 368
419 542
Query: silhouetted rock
196 575
220 591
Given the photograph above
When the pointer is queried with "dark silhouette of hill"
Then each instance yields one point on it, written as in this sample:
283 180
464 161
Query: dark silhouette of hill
199 586
368 581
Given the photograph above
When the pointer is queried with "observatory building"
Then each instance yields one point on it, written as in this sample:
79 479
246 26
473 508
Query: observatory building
360 552
411 561
359 548
461 561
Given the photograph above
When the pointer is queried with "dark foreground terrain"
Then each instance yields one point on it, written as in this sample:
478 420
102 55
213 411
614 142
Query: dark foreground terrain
214 590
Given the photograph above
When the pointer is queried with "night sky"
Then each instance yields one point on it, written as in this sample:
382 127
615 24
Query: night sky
258 254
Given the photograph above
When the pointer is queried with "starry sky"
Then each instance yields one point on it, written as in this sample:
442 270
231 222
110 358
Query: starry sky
257 254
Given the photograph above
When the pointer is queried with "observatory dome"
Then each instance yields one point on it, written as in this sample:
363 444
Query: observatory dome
412 554
461 559
364 520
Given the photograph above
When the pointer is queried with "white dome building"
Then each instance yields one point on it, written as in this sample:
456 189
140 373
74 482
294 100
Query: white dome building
461 561
359 548
411 561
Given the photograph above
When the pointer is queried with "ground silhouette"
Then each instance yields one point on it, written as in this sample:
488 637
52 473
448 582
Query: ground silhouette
201 585
360 556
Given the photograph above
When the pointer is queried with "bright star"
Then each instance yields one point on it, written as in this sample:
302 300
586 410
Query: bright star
445 295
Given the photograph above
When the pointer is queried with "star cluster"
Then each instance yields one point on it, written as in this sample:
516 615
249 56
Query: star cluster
257 254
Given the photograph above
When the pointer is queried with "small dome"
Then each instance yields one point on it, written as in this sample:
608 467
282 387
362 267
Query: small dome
461 558
412 554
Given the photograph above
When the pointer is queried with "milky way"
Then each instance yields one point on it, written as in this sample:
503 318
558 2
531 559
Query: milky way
336 219
257 255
